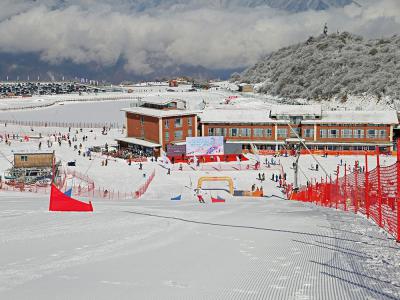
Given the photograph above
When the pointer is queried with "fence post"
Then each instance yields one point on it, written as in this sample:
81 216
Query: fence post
330 191
337 187
366 187
378 169
355 187
345 187
398 190
326 190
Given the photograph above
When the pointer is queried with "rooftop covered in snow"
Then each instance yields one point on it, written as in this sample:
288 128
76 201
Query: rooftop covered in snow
296 110
32 152
159 113
356 117
234 116
161 100
135 141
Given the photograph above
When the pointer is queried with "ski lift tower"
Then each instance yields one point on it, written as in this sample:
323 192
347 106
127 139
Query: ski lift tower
295 144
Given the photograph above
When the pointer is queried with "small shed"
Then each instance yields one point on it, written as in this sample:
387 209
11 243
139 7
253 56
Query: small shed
33 159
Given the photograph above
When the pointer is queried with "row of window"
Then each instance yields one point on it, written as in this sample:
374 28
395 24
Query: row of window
351 125
307 133
240 132
177 122
178 135
355 133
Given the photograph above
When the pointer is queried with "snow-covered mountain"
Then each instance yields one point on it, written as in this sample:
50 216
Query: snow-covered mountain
149 39
329 67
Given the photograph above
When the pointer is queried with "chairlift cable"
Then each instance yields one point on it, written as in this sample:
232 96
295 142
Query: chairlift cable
309 151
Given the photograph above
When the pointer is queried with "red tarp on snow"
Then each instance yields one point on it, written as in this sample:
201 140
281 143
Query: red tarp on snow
217 200
61 202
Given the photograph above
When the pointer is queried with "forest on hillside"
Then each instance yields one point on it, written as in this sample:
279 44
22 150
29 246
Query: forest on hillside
330 66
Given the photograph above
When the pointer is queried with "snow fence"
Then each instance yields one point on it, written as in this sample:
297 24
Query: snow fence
374 193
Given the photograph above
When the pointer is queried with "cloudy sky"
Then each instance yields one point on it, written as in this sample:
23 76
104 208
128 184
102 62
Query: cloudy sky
195 33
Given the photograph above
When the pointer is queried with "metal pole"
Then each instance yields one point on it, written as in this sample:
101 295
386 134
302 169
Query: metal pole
296 172
345 187
330 191
398 190
366 188
355 187
337 187
326 190
378 168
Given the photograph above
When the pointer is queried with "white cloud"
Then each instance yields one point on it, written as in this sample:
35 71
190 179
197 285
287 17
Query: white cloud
85 31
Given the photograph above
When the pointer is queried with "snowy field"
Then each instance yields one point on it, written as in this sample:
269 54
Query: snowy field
66 108
155 248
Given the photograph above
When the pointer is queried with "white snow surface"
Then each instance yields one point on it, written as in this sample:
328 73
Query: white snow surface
155 248
237 116
360 117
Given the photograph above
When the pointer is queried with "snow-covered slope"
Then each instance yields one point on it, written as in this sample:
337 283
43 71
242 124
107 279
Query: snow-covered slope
331 67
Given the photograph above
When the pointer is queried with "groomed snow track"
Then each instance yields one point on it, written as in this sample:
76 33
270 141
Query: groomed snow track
155 249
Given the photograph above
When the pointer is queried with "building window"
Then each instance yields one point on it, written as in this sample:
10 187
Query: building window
282 132
218 131
308 133
141 120
178 135
233 132
166 136
24 158
189 121
333 133
372 133
347 133
268 132
258 132
166 124
245 132
323 133
358 133
178 122
382 134
225 132
190 132
210 131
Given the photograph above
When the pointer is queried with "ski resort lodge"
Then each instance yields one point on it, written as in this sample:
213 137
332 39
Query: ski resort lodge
157 123
319 130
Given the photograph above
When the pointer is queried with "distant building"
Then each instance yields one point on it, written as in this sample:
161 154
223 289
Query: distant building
201 85
157 123
31 167
160 122
173 83
246 88
320 130
242 127
33 159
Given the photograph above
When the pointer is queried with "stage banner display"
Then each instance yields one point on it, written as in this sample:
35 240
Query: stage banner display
207 145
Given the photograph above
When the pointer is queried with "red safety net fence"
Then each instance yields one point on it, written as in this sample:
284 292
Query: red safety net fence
89 190
374 193
81 186
145 186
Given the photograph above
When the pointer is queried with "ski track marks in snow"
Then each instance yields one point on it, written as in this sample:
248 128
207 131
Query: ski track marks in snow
266 249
